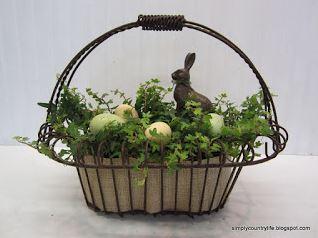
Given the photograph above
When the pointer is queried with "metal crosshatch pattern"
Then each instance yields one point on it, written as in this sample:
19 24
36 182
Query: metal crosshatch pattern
223 165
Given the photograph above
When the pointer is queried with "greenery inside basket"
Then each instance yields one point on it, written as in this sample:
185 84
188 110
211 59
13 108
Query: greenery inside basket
150 118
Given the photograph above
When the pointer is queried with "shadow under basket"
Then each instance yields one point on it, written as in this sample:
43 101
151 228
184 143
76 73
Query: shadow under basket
200 186
122 190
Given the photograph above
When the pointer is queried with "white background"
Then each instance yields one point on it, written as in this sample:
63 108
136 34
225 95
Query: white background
38 38
41 198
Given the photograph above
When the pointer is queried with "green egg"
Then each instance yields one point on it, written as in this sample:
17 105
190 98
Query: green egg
217 123
100 121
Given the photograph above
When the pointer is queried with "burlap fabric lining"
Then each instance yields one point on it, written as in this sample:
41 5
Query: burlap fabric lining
153 201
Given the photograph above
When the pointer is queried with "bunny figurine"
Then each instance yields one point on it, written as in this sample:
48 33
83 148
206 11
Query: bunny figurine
183 91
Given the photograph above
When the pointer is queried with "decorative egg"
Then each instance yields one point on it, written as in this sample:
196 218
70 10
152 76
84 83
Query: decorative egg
99 122
121 109
217 123
162 129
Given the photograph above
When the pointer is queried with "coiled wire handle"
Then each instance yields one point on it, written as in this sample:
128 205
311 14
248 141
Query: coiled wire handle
166 23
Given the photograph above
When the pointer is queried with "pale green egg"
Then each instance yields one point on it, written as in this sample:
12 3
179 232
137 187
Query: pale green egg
217 123
100 121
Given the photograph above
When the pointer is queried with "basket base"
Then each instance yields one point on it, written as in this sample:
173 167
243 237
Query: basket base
189 191
142 212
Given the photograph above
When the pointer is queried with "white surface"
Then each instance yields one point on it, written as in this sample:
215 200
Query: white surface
41 198
39 37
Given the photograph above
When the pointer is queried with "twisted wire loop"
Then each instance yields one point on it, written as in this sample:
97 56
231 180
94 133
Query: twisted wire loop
161 22
45 132
278 139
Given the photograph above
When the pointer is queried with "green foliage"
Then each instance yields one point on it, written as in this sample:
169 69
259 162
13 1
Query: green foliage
191 129
243 124
122 95
150 99
102 103
227 109
41 147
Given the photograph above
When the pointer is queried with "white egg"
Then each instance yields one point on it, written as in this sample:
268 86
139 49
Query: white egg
121 109
163 130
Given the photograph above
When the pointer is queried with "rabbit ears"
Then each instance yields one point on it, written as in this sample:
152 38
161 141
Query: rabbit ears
189 60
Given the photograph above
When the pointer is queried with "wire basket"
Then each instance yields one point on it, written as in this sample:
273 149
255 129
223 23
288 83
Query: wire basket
201 185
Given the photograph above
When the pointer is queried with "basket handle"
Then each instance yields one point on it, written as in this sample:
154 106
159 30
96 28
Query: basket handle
157 23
